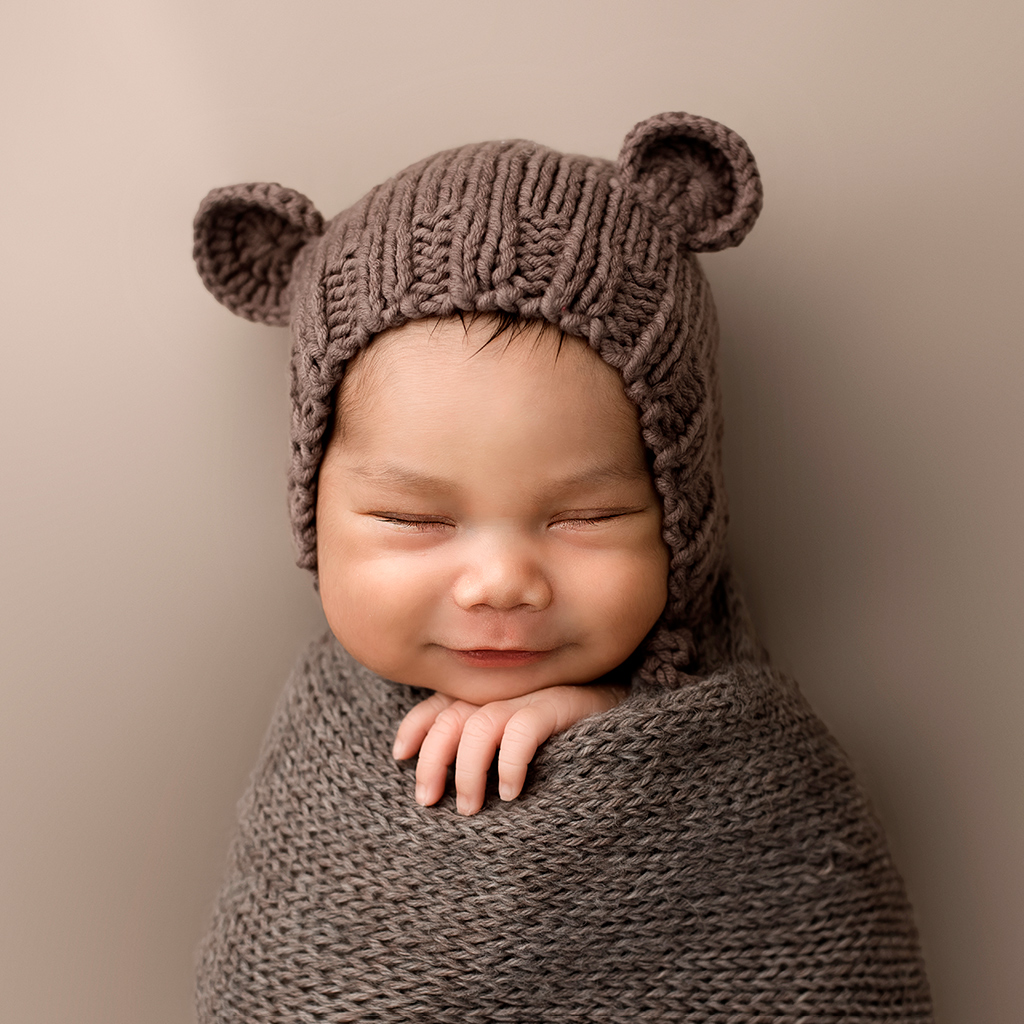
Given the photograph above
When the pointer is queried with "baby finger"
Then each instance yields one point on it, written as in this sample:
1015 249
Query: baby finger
438 751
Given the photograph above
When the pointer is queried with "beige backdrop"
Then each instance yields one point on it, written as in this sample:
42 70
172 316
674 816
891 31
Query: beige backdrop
873 373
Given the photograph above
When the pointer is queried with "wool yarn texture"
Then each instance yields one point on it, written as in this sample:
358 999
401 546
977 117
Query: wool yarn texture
699 853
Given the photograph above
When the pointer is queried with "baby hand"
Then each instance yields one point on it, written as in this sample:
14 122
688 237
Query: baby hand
444 730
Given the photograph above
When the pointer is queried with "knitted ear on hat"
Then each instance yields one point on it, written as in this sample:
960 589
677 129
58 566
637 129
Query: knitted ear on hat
246 239
697 171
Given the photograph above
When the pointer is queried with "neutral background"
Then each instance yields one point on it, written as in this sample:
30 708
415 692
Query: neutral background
873 367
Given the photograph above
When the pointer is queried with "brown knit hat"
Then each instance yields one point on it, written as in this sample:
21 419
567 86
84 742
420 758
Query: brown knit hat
602 250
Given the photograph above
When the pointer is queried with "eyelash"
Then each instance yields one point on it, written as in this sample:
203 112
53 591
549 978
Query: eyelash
587 520
416 523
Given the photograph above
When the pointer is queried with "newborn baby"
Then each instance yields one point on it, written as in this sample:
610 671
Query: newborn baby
488 529
506 475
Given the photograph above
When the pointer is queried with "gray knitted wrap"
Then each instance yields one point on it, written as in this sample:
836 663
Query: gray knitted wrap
702 854
603 250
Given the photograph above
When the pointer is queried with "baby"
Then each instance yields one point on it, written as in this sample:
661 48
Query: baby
506 475
488 529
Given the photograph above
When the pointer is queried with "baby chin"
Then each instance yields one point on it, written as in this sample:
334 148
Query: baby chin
483 674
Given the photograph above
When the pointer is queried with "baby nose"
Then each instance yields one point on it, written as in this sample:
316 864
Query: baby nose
503 575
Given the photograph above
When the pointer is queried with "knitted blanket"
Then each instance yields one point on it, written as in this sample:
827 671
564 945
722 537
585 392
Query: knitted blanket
697 854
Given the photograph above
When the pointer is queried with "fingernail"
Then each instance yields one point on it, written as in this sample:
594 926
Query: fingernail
421 795
463 806
505 791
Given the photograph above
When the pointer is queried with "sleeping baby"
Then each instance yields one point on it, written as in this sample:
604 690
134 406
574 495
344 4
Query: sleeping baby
506 478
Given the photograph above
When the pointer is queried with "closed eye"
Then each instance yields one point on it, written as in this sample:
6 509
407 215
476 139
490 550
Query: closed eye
584 519
412 523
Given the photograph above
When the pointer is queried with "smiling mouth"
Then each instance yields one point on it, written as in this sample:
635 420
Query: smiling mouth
490 657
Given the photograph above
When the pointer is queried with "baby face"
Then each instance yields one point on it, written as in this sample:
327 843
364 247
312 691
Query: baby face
486 522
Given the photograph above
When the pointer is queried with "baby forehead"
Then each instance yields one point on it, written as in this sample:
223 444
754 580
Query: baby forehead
459 352
449 382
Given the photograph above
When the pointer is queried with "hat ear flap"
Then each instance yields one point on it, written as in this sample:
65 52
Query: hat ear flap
246 240
699 173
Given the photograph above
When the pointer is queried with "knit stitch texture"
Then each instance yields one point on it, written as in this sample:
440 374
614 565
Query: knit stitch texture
702 854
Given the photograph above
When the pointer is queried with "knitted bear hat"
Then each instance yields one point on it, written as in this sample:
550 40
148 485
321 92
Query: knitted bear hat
602 250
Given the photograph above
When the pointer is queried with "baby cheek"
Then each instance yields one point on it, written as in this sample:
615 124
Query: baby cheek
617 611
634 596
366 625
384 607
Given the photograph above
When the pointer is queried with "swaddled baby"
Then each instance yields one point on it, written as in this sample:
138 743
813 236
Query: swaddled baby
506 475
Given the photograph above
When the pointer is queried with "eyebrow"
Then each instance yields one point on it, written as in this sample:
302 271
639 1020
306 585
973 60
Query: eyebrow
395 474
